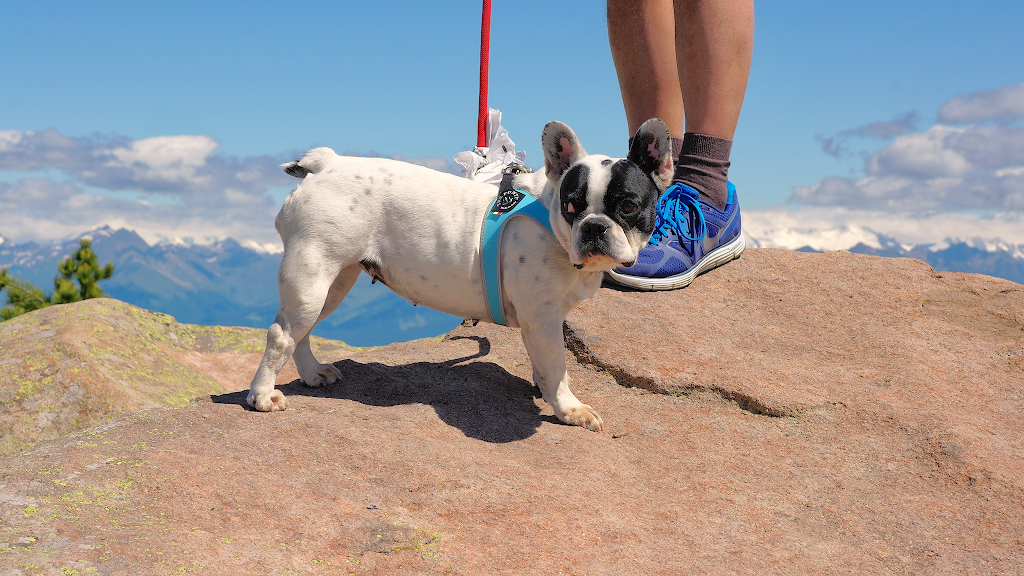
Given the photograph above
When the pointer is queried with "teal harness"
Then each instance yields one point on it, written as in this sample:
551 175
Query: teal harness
510 203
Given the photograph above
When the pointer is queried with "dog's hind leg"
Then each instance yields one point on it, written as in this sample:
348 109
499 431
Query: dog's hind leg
303 286
311 371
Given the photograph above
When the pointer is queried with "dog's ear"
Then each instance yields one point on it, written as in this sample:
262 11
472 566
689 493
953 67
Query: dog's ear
561 148
652 151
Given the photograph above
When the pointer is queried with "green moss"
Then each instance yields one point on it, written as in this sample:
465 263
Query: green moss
122 357
26 388
235 339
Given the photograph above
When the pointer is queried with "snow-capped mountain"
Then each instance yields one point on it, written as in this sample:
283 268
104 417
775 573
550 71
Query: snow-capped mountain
991 256
223 282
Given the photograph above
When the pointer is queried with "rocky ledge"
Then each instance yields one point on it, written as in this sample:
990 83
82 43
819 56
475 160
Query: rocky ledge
788 413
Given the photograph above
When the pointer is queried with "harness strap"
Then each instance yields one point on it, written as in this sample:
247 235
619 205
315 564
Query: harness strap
510 203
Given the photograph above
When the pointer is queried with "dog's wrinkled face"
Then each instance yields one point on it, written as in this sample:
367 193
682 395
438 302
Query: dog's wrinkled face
607 206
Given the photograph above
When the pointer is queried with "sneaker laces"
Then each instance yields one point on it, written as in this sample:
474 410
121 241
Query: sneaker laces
671 214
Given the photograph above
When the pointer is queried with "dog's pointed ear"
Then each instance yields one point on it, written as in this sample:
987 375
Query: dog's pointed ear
652 151
561 148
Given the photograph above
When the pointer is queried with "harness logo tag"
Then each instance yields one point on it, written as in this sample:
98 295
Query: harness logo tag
507 200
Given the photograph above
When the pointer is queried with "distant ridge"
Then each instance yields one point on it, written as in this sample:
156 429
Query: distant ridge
227 282
221 283
993 257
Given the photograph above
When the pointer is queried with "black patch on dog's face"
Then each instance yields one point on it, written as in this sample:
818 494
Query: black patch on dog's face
631 197
574 192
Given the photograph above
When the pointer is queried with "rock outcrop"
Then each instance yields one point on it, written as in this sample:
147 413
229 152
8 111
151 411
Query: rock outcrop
66 368
788 413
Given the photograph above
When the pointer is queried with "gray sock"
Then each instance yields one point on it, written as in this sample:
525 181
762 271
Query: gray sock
677 147
703 163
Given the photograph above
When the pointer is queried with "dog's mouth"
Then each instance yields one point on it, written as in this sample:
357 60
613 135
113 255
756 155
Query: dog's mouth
598 262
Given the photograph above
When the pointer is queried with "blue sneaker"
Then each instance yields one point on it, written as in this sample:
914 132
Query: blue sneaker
690 237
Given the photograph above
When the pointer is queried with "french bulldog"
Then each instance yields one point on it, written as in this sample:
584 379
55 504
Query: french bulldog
419 232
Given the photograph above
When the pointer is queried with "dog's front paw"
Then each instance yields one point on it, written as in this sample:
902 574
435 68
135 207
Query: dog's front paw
272 402
323 375
582 415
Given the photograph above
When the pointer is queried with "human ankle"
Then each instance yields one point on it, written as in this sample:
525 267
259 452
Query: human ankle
703 163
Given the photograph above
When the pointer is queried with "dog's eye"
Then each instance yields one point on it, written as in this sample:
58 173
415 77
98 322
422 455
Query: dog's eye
569 208
628 207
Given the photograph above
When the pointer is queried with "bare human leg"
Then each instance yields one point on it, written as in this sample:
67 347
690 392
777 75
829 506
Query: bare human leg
686 62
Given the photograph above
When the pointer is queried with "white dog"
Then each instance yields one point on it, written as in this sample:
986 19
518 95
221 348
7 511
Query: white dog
419 232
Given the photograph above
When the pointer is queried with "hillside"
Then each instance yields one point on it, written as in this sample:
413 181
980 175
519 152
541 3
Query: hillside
788 413
66 368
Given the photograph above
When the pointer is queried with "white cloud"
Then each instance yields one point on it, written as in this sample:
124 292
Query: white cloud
9 139
183 164
1003 104
979 191
843 228
168 158
925 155
839 145
56 214
47 149
972 167
163 187
35 192
1014 171
948 151
185 189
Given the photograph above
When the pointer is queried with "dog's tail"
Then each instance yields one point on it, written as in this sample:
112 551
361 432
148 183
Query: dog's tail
310 163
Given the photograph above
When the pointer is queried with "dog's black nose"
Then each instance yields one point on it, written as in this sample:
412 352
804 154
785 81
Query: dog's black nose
592 230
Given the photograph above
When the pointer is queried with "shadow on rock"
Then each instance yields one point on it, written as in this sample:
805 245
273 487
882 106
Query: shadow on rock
606 283
481 399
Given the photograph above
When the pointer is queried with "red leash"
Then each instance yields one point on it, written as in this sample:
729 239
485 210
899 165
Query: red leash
485 57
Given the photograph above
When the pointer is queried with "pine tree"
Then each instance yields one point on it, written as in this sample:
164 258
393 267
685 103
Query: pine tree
22 296
83 266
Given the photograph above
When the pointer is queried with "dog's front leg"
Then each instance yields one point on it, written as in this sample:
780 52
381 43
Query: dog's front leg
262 395
546 347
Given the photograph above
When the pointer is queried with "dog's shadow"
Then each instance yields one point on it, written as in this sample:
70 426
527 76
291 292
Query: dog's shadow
481 399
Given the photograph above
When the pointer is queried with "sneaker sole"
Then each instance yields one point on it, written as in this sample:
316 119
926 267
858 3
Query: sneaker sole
714 259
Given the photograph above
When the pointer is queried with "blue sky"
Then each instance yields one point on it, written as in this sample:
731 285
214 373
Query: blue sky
838 92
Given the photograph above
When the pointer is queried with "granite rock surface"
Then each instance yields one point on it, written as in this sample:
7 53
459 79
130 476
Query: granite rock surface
788 413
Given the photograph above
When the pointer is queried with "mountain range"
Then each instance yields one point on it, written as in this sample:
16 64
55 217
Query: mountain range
233 284
993 257
221 283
